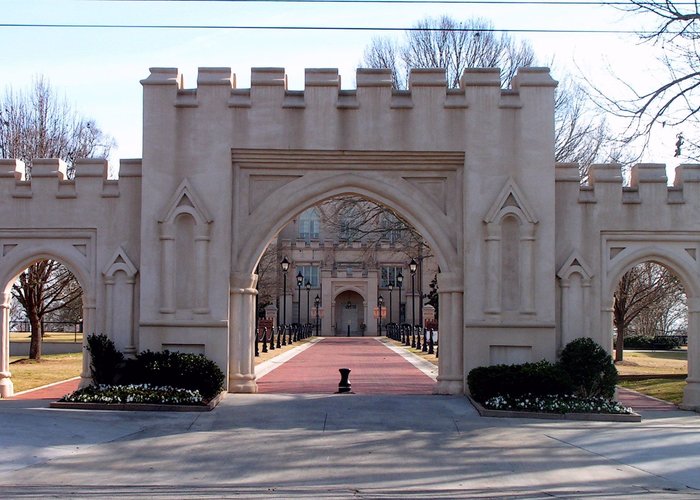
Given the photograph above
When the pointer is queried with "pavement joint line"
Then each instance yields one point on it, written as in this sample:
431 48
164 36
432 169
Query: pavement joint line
272 364
611 459
44 386
425 366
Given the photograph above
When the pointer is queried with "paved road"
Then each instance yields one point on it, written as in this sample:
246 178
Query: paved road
342 446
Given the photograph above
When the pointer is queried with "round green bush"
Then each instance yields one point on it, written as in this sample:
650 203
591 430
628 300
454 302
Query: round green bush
589 367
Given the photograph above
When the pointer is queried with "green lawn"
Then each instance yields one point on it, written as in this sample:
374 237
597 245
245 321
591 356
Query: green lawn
28 374
663 388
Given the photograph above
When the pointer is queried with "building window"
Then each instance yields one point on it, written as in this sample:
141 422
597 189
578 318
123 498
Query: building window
392 228
309 223
310 274
389 274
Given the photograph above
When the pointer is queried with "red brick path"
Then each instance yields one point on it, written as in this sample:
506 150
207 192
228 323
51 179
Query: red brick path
642 402
52 392
375 369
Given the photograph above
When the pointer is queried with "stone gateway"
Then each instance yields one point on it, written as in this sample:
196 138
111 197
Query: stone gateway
528 256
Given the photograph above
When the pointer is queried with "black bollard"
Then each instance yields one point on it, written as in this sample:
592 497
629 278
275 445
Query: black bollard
348 330
344 385
264 337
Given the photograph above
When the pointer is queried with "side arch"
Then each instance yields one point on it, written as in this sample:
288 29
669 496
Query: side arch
23 255
686 268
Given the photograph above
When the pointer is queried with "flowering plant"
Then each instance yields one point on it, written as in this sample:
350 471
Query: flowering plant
141 393
556 404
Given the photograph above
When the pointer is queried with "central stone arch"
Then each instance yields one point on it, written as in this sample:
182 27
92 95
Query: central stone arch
272 186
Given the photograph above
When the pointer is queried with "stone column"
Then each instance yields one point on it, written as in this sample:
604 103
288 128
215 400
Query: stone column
167 268
451 334
201 262
493 268
527 264
6 386
88 329
241 323
130 349
691 393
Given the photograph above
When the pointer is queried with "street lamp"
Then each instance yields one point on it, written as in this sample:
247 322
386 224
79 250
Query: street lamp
381 303
300 281
317 302
285 267
413 266
399 283
308 302
391 289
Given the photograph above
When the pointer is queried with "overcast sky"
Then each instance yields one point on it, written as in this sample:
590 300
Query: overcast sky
99 69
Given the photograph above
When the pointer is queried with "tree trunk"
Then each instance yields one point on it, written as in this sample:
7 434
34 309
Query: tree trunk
619 323
35 342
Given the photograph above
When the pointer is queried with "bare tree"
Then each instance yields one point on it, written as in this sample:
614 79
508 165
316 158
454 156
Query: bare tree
44 288
582 136
674 102
37 124
644 286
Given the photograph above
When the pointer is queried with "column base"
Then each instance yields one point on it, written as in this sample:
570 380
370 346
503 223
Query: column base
240 383
7 388
449 386
85 380
691 395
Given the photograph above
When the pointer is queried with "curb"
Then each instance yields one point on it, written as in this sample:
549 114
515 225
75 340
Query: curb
589 417
139 406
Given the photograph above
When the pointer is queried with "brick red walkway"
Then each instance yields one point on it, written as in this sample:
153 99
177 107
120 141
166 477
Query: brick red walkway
641 402
375 369
53 393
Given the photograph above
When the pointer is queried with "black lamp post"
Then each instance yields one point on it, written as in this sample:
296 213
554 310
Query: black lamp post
285 267
380 301
300 281
308 302
399 283
317 302
391 289
413 266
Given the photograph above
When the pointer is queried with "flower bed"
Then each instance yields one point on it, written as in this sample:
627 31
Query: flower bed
557 404
557 408
136 397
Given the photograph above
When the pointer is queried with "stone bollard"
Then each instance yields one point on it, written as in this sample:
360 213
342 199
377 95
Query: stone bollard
344 385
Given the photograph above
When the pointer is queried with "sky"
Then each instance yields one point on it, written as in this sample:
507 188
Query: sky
98 70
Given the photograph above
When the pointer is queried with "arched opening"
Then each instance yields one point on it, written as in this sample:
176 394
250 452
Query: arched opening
349 314
346 271
44 313
650 328
680 265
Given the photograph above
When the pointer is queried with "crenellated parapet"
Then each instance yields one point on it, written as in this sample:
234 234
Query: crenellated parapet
322 86
49 178
648 184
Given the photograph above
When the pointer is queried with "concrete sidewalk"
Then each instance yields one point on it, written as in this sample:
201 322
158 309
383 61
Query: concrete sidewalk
347 446
341 446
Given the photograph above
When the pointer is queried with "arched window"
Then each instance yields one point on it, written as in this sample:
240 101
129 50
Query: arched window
309 223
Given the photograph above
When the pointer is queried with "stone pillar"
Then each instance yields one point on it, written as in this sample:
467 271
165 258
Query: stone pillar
6 386
691 393
88 329
493 268
241 323
201 262
527 267
167 268
606 328
451 334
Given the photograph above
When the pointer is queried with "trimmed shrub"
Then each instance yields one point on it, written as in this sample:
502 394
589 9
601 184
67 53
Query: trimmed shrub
589 367
538 379
178 369
661 342
105 361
